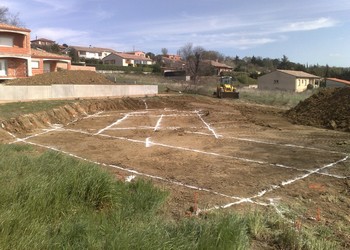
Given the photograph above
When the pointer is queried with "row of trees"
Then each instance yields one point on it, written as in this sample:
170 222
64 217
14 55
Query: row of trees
264 65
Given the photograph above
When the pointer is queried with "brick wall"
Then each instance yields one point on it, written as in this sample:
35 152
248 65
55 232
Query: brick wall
21 45
40 70
17 67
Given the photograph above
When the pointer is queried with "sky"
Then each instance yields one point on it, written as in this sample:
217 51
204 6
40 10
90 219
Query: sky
306 31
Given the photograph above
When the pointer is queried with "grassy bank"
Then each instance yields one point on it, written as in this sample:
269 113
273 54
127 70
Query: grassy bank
52 201
9 110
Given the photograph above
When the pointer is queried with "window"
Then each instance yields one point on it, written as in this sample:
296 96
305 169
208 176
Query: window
35 64
6 41
3 68
275 81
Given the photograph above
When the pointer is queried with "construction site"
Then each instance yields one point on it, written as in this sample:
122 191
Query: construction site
210 158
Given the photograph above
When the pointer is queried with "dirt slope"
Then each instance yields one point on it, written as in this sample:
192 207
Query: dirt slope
65 114
329 108
63 77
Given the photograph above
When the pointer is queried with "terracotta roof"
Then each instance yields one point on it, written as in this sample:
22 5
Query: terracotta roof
92 49
339 80
218 65
132 57
43 54
12 27
134 52
167 59
298 73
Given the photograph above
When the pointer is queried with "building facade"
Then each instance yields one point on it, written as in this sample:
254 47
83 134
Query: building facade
288 80
19 60
44 62
125 59
90 52
15 52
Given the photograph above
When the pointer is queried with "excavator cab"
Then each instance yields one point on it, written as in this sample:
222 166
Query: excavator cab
225 88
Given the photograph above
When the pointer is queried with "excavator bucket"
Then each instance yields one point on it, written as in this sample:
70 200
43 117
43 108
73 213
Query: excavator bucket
232 95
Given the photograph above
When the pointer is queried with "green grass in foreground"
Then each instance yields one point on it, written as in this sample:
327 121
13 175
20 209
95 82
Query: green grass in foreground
52 201
9 110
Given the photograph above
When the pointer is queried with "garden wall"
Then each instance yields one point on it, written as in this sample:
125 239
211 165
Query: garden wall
63 91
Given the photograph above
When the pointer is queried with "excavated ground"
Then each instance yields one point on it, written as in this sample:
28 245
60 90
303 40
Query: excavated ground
225 154
329 108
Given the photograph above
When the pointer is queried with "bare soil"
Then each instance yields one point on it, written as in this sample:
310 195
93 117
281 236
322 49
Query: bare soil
211 153
329 108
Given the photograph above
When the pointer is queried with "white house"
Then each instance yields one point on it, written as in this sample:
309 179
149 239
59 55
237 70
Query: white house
125 59
91 52
288 80
334 83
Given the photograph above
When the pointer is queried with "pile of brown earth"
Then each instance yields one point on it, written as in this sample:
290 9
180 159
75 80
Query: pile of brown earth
62 77
329 108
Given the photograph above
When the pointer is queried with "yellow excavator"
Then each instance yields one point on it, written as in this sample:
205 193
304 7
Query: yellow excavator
225 88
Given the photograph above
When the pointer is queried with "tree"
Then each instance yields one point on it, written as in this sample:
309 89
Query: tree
194 60
212 55
164 51
284 64
9 18
73 53
53 48
150 55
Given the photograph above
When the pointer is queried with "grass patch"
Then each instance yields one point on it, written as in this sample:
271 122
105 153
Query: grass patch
14 109
52 201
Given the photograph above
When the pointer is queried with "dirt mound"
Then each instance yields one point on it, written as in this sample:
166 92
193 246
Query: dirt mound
329 108
63 77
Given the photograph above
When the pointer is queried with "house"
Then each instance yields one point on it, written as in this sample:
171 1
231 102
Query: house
44 62
90 52
15 52
125 59
42 42
173 57
288 80
19 60
172 63
335 83
137 53
219 67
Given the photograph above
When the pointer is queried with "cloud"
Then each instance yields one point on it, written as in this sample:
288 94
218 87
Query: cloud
309 25
217 31
56 5
62 34
8 4
336 55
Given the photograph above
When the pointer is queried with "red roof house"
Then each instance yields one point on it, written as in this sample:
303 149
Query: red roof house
18 60
15 52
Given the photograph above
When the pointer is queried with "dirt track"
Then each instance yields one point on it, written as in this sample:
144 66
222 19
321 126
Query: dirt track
229 154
